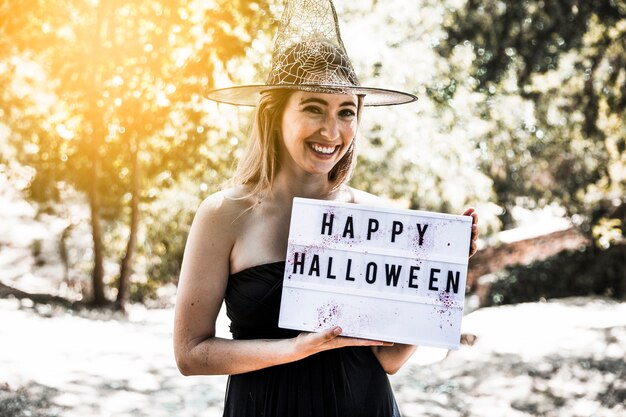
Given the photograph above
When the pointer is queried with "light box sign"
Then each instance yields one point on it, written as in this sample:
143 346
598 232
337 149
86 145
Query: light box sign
383 274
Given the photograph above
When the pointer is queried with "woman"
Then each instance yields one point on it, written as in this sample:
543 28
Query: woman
303 146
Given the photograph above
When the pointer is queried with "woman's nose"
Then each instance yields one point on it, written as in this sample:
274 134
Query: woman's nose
330 129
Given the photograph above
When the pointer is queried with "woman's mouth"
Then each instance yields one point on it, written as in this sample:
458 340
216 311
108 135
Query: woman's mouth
324 150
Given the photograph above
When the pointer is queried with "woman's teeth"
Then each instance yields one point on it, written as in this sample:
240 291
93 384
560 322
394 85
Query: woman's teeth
323 149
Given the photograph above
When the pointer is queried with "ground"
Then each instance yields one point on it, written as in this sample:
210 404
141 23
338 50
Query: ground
557 358
560 358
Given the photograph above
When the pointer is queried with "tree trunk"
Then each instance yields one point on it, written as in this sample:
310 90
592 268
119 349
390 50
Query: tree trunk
126 267
98 253
99 132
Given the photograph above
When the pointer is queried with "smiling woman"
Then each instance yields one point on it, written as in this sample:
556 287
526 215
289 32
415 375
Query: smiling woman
302 145
279 113
317 131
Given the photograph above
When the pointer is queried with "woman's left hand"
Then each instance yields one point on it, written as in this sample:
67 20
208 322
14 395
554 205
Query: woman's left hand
472 212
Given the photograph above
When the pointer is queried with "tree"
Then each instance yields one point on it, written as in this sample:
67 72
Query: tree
558 68
421 154
104 97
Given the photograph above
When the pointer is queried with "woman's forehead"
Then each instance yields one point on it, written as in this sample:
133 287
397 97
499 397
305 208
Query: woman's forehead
324 98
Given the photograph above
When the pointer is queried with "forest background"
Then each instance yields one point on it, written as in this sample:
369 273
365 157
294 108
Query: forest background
521 106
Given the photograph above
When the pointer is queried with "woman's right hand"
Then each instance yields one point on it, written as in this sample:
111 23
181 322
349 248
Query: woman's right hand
306 344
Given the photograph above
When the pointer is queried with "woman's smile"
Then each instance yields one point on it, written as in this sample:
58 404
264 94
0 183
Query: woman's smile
317 130
325 150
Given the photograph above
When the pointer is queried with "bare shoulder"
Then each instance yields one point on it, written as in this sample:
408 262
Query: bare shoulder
217 225
219 221
226 206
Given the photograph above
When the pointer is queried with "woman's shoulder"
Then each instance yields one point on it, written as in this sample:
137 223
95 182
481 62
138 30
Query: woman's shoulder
229 203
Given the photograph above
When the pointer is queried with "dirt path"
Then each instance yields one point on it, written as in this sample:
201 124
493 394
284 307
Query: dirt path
561 358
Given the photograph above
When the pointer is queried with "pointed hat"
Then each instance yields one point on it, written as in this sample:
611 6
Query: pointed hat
309 56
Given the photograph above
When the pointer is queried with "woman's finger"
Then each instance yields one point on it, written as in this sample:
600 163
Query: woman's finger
325 336
356 341
328 339
473 246
469 211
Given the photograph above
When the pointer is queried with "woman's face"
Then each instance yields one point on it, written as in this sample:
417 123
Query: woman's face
317 130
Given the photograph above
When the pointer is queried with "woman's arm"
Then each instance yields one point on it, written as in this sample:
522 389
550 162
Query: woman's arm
201 288
392 358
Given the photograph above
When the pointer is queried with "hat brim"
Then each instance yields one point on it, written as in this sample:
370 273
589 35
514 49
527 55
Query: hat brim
249 95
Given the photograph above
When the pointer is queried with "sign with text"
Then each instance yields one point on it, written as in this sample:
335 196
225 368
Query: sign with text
379 273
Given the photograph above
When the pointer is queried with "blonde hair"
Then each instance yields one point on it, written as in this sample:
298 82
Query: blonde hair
261 162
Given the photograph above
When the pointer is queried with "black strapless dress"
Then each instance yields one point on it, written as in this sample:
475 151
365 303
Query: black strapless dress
346 382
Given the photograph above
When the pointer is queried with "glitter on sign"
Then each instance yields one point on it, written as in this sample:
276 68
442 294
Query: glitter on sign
328 315
445 308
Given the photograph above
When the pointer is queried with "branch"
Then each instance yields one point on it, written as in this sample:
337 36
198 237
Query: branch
7 292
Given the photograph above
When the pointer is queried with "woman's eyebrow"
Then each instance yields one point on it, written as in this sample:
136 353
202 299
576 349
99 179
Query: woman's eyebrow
324 102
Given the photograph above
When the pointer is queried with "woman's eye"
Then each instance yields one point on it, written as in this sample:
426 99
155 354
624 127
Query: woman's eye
347 113
313 109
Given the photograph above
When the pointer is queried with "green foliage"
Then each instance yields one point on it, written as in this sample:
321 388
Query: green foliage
142 291
32 400
571 273
530 36
105 97
552 74
519 103
121 77
167 223
36 250
608 232
423 155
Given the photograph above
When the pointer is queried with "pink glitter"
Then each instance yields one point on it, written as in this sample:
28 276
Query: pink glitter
428 243
328 315
446 302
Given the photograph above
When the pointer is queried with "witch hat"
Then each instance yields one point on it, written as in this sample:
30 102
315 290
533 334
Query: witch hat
309 56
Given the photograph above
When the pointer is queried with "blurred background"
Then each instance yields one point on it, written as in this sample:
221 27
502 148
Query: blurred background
107 148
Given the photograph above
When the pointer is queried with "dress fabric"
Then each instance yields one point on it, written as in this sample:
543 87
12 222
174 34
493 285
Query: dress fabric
346 382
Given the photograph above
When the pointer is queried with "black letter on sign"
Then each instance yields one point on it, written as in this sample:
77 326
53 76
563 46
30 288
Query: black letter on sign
396 230
453 281
348 277
349 228
372 227
413 276
393 274
330 267
421 232
315 266
372 279
298 263
328 223
433 279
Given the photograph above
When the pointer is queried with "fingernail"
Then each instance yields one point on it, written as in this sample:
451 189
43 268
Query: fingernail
337 330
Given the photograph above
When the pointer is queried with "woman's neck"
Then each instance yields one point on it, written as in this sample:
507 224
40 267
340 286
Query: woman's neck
287 186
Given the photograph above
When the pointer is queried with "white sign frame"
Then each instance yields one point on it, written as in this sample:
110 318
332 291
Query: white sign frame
380 273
